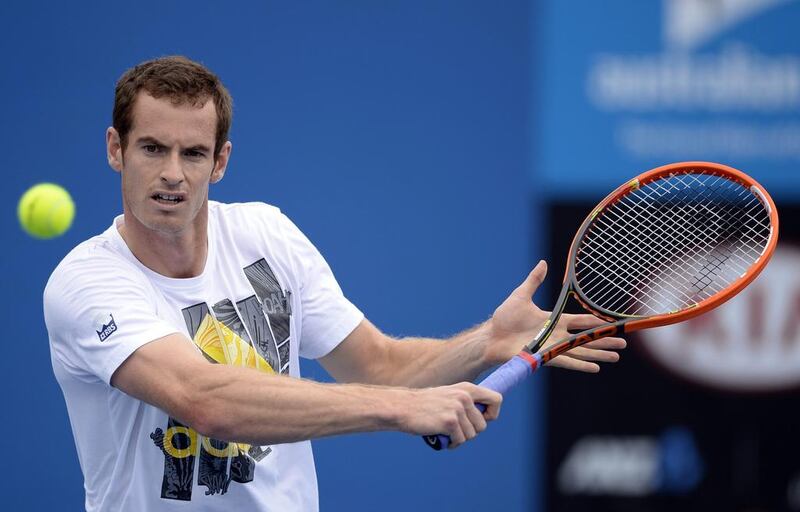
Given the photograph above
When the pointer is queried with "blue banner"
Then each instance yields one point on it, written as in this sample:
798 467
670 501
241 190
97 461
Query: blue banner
623 87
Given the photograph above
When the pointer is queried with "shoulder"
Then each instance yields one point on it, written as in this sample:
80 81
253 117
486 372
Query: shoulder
263 228
95 264
246 216
252 211
96 254
254 219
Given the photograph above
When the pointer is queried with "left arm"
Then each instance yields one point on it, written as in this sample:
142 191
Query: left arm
369 356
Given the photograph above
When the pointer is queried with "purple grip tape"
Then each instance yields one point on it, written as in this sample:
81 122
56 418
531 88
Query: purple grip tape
501 380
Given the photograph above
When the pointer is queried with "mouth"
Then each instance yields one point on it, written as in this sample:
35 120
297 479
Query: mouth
167 199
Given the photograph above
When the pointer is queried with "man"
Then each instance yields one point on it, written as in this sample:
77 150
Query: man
175 334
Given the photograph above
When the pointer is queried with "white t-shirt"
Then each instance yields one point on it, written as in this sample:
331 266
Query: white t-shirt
265 297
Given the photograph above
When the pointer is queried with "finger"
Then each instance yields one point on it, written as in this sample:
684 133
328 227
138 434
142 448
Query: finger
588 354
570 363
581 321
492 411
476 419
534 279
607 344
456 437
491 399
466 423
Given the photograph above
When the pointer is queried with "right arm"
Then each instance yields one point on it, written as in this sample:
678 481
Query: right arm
243 405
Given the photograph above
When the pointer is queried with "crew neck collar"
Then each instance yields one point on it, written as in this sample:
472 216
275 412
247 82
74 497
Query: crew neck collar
182 283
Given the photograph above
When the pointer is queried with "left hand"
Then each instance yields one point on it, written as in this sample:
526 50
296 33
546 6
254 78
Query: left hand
517 321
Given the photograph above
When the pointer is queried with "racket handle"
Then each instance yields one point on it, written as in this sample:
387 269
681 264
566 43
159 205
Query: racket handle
501 380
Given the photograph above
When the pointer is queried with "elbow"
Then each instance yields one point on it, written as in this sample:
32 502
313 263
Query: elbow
197 416
199 408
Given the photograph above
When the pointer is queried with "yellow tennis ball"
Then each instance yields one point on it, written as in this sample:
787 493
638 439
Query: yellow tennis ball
46 210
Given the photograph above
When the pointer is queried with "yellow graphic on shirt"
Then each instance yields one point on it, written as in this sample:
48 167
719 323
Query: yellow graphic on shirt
169 445
224 346
221 344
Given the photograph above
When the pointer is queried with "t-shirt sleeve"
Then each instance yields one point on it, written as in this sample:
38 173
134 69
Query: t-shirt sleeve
327 315
98 311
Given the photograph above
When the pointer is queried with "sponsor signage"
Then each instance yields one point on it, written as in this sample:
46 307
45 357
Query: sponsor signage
623 87
751 343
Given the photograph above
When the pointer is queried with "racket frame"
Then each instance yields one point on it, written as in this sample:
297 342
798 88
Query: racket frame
531 357
626 323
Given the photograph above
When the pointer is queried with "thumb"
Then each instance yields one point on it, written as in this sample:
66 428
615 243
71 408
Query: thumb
534 279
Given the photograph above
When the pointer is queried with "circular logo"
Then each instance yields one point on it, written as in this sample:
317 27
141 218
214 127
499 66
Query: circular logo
750 343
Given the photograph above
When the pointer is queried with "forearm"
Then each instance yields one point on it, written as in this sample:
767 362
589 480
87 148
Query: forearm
367 355
422 362
243 405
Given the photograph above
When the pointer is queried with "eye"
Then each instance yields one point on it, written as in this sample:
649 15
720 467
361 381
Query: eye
151 148
194 154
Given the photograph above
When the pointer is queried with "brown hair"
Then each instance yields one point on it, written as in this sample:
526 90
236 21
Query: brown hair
179 79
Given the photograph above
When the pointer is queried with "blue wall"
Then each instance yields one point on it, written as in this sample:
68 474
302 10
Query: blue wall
394 134
623 87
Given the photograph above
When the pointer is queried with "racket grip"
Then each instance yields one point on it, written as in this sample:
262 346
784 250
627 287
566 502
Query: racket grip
501 380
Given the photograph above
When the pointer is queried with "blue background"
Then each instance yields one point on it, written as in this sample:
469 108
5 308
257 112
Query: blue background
393 134
575 149
414 142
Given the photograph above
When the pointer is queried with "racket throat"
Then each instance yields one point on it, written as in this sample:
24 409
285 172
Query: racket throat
582 338
550 324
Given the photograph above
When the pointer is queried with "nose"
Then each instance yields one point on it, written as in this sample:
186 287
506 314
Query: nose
172 171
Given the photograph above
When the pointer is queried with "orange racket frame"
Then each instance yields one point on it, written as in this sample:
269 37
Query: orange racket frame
531 358
631 324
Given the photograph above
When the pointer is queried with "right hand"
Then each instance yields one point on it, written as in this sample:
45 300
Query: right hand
451 410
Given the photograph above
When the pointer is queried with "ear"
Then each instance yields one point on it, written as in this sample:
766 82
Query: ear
221 162
114 149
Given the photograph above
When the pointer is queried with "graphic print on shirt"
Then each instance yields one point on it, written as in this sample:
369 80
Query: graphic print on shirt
238 350
179 445
275 303
213 454
225 334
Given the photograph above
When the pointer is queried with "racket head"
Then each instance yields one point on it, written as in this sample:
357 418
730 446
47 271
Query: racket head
674 242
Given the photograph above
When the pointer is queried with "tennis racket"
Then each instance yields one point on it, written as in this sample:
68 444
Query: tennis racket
669 245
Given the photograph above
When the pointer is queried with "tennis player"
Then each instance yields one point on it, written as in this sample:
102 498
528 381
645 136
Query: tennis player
175 334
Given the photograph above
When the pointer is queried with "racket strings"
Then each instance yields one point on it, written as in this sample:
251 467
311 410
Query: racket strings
654 228
690 254
625 268
670 244
729 223
649 232
617 285
701 281
631 260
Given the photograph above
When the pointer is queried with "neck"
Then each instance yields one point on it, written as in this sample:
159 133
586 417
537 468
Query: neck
176 255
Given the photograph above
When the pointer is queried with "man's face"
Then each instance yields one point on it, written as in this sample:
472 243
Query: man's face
167 164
